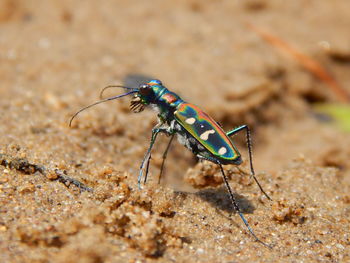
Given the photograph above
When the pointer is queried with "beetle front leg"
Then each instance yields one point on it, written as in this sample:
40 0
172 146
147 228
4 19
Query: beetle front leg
146 160
249 144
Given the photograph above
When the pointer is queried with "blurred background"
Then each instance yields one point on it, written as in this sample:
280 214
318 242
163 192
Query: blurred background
281 67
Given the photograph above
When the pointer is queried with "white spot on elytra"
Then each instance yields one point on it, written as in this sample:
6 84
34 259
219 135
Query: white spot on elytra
205 135
190 120
222 150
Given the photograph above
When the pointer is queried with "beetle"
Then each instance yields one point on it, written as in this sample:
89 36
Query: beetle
195 129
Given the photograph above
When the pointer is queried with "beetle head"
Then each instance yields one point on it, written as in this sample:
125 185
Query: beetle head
146 94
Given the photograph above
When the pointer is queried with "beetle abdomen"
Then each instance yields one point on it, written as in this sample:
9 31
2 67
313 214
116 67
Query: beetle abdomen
207 132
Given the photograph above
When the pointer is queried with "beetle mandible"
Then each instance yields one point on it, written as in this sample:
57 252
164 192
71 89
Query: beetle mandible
195 129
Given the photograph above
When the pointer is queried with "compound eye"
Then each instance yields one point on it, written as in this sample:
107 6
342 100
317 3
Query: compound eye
145 89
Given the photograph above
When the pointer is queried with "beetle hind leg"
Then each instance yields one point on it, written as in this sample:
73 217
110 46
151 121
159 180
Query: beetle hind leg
249 145
236 207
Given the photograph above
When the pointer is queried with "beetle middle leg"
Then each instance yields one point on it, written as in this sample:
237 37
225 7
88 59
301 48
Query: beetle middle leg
164 157
249 144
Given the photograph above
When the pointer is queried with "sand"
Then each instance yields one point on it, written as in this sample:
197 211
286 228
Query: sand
69 194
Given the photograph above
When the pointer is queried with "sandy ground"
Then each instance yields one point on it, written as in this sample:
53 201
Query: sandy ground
70 194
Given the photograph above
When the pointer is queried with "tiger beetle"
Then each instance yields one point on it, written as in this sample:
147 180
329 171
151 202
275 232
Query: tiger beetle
195 129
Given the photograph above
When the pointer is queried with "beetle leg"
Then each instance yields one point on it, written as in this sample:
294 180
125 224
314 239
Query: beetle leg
164 157
145 162
249 144
236 207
